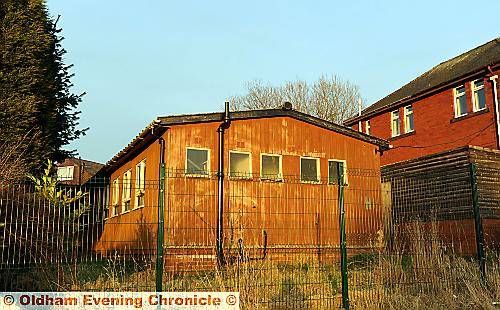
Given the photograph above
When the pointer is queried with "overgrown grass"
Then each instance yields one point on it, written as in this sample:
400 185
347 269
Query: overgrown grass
418 274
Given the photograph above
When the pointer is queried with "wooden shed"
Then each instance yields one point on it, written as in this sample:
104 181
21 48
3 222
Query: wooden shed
276 183
438 190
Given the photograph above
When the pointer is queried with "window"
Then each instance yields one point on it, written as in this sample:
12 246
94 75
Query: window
270 167
333 171
65 173
240 165
309 169
395 123
478 96
367 127
115 196
140 183
460 101
408 119
197 162
126 190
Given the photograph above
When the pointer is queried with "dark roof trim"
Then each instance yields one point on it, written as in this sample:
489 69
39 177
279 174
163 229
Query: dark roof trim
409 99
140 142
158 128
268 113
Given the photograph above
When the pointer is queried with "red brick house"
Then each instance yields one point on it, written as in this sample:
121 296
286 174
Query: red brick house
452 105
76 171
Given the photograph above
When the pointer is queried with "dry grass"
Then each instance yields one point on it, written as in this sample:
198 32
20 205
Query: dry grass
421 274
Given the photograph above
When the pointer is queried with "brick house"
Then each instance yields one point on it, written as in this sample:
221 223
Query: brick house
76 171
452 105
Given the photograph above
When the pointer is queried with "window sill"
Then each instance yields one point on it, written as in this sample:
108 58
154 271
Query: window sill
411 133
466 116
190 175
277 180
310 182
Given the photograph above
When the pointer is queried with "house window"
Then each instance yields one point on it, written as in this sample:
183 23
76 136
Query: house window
333 171
408 119
65 173
367 127
140 183
460 101
240 165
197 162
270 167
395 123
309 169
115 196
478 96
126 190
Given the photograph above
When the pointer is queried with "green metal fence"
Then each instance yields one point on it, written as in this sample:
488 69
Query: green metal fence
352 242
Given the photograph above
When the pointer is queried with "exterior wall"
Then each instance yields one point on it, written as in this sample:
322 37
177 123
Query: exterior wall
252 205
436 128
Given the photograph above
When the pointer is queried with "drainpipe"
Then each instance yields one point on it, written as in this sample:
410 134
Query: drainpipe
360 106
493 80
220 177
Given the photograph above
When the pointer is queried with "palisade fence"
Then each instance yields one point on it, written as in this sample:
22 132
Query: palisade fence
282 243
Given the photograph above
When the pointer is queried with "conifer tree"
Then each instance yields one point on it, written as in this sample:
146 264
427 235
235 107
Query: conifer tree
38 113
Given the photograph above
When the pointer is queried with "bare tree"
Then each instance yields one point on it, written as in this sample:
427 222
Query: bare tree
329 98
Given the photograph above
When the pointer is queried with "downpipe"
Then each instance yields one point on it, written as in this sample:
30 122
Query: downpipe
221 261
493 80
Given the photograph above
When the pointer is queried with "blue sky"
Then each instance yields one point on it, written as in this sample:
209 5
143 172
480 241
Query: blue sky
141 59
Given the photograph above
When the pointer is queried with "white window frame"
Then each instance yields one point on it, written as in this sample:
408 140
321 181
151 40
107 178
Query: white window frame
140 184
280 169
197 175
345 170
318 170
393 127
474 88
455 96
127 175
68 175
367 127
248 177
115 198
406 114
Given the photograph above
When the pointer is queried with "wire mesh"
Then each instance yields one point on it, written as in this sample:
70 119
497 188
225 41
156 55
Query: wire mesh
409 234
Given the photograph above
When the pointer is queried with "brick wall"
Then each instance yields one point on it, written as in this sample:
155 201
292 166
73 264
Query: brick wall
436 129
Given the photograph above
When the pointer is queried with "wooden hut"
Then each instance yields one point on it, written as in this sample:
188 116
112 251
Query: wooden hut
275 187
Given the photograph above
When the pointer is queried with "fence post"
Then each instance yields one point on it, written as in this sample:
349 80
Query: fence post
478 224
343 247
161 221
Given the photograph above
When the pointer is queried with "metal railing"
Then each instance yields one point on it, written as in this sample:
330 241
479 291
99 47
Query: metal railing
286 243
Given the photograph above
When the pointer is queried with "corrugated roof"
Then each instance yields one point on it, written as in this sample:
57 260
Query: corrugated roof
467 63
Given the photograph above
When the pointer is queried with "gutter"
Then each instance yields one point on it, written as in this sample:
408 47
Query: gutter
353 120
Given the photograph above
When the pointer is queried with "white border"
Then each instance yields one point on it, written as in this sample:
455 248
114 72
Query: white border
249 162
405 109
137 192
473 90
346 181
280 169
318 171
455 100
196 175
392 121
124 200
